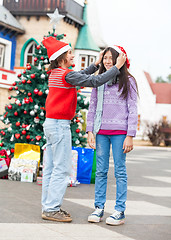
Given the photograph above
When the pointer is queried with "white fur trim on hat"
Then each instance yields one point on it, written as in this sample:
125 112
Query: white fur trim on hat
59 52
116 48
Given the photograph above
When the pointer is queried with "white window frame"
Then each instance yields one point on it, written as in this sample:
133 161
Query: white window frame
86 61
26 53
2 54
7 54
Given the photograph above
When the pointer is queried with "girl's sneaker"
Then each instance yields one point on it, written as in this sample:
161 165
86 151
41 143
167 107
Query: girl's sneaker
96 216
117 218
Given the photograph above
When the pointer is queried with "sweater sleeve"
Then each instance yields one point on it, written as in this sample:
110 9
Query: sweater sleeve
132 109
89 70
85 80
92 110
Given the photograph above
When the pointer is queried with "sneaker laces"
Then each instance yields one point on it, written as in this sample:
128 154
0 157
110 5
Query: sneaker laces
97 211
116 214
63 212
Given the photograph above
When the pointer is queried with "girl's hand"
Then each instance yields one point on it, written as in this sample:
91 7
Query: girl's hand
120 60
128 144
91 140
100 58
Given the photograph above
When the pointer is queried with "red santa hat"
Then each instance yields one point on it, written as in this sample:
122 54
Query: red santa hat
120 49
54 47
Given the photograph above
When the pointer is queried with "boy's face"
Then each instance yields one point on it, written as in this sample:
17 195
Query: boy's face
69 58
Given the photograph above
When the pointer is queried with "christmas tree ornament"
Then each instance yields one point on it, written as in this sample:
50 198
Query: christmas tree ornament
17 124
10 106
81 121
17 135
10 88
29 81
9 129
17 92
43 76
32 113
26 101
19 75
16 113
19 104
9 97
78 98
80 135
23 81
36 120
77 130
14 83
1 118
25 112
35 59
39 67
28 67
16 88
45 61
77 142
24 72
47 91
38 138
12 150
40 93
42 58
24 132
28 137
55 17
29 94
1 144
36 107
42 114
17 101
38 47
36 91
32 75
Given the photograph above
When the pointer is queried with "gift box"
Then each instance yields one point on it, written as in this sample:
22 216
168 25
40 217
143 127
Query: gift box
4 156
24 165
73 175
3 168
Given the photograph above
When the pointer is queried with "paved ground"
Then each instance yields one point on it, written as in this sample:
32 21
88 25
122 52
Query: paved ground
148 214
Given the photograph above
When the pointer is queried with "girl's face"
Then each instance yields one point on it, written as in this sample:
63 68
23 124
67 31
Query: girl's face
107 60
69 58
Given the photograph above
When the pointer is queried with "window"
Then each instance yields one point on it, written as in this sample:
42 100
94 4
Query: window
2 54
86 60
29 51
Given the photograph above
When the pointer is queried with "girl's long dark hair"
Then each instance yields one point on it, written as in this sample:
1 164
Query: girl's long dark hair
56 63
124 82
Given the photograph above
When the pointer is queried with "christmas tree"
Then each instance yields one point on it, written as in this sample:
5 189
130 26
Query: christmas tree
25 116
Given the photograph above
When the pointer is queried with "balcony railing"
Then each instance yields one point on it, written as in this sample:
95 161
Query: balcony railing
68 8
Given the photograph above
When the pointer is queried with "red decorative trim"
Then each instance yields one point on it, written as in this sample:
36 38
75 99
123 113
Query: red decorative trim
6 84
5 70
4 76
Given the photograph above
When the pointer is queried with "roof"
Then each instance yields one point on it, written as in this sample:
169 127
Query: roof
9 21
161 90
85 40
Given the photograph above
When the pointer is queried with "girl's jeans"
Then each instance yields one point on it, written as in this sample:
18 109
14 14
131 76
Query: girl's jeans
102 165
57 163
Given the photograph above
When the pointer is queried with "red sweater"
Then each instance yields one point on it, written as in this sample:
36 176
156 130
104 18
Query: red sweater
61 101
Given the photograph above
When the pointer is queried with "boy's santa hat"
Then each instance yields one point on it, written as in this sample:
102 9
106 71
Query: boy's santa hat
55 48
120 49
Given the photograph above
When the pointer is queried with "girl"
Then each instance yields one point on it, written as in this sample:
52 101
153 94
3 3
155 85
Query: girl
60 109
112 117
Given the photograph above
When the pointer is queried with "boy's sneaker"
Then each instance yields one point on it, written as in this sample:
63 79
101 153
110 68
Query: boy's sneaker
59 216
117 218
96 216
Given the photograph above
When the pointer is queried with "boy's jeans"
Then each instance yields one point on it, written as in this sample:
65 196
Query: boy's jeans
102 165
57 163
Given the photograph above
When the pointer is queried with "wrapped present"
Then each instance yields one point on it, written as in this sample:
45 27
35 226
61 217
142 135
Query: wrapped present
73 176
4 156
3 168
24 165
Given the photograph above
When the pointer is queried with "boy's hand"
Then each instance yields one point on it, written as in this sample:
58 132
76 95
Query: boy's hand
100 58
120 60
91 140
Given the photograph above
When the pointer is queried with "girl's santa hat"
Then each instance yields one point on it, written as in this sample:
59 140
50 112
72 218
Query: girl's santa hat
54 47
120 49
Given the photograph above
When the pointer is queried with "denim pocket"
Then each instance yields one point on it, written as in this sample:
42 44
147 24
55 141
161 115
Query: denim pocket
53 133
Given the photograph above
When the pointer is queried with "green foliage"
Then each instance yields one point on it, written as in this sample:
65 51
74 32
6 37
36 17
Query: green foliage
24 117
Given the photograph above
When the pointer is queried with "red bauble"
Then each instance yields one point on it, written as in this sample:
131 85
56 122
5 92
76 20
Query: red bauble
23 81
29 94
23 132
19 104
23 125
38 47
24 71
16 88
10 88
10 106
77 130
77 120
3 133
29 81
33 75
16 113
25 112
42 58
12 150
1 144
19 75
38 138
17 124
27 101
14 83
36 91
35 59
73 65
9 97
17 135
40 93
64 35
28 137
28 67
55 35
